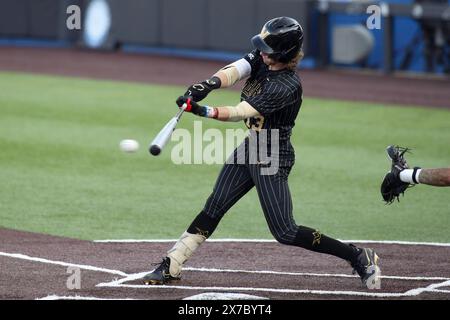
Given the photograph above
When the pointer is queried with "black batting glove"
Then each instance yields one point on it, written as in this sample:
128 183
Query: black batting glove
191 105
199 91
195 108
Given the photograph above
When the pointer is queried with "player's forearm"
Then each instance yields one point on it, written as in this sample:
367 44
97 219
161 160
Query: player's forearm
224 114
232 114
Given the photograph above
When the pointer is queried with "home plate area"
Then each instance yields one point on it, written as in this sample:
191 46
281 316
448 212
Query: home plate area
266 284
36 266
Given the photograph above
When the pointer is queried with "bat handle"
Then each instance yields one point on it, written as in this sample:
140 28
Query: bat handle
183 107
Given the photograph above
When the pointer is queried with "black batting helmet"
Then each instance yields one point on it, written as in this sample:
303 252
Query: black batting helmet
281 38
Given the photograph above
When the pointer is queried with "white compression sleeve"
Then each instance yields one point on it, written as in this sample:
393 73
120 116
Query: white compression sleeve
235 71
410 175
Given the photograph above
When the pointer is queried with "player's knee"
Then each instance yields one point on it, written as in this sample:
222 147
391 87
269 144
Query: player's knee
214 206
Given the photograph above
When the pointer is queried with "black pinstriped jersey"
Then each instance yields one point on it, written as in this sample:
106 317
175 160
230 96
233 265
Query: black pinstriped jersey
277 96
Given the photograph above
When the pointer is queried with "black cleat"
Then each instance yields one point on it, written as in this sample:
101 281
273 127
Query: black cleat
366 265
160 275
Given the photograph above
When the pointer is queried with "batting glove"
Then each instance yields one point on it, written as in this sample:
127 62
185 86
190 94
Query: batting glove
199 91
195 108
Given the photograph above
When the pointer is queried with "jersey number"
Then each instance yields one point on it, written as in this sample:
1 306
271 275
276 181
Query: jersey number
255 123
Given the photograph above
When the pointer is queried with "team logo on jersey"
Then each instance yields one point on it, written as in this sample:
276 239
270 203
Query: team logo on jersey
252 88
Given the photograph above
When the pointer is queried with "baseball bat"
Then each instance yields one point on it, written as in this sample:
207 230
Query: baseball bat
163 136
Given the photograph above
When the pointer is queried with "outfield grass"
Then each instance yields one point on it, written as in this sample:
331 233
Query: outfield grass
62 172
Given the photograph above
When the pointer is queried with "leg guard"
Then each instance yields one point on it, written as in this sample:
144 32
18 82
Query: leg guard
182 251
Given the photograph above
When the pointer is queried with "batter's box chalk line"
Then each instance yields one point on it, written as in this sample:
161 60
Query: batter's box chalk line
414 292
436 287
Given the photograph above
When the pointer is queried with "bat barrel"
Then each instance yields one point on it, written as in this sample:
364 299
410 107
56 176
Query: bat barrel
163 136
155 149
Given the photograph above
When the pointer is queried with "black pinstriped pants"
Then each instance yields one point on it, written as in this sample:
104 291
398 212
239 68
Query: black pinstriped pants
235 180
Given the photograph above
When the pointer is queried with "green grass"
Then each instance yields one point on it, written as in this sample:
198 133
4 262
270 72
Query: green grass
62 173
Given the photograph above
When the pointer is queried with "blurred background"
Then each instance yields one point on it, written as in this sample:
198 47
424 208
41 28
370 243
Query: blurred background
78 76
388 36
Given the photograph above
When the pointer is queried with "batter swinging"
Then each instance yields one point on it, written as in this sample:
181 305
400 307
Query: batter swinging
270 100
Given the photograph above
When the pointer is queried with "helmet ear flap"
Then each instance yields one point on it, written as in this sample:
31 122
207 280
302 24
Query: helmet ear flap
283 56
276 56
279 57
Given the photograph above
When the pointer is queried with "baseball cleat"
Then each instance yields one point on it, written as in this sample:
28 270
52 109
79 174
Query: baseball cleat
160 275
366 265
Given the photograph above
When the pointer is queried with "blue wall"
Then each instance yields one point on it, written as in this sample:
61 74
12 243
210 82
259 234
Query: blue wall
405 30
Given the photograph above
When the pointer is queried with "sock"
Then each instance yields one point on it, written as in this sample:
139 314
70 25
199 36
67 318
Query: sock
410 175
314 240
203 224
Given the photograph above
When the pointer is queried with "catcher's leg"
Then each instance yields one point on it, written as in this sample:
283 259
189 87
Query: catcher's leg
233 183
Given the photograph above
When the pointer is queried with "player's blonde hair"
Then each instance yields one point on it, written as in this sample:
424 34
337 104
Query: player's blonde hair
292 65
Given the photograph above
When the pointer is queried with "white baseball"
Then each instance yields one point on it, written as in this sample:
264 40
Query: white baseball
129 145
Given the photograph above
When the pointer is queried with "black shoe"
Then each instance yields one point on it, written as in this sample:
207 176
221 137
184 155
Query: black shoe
160 275
366 265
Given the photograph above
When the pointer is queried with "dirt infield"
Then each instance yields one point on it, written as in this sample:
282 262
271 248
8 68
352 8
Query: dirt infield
165 70
35 266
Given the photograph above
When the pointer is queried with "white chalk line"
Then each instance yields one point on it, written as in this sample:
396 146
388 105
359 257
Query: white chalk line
409 293
64 264
439 291
309 274
118 282
128 277
272 290
411 243
431 288
140 275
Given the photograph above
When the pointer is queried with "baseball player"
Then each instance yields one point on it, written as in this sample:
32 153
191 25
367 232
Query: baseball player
270 101
401 176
